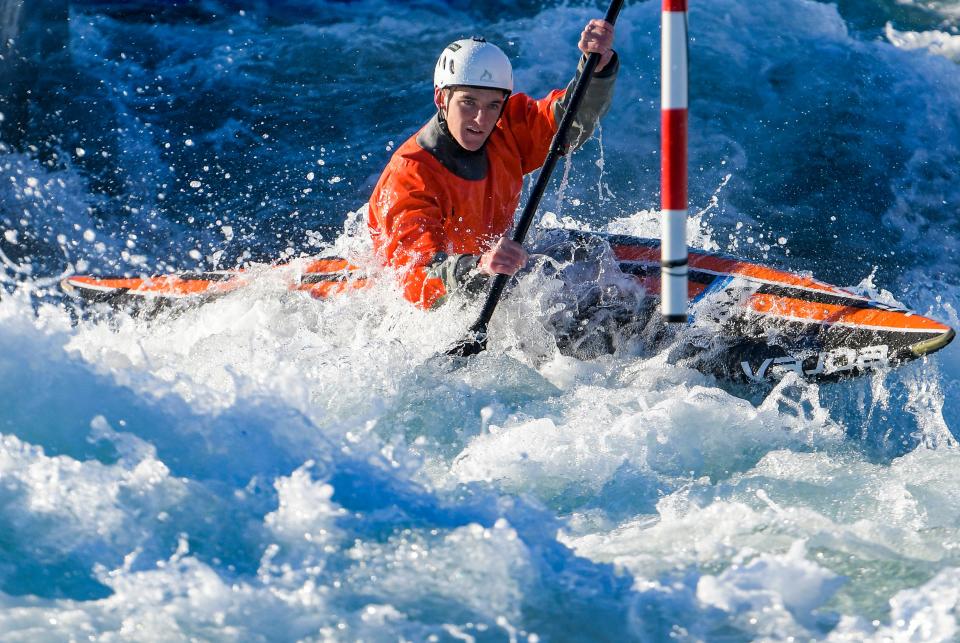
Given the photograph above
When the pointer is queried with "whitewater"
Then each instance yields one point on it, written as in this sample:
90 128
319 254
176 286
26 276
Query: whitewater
271 467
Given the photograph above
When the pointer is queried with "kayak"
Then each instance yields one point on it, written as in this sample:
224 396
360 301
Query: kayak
748 322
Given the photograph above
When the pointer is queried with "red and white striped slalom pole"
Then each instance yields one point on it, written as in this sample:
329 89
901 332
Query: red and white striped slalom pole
673 161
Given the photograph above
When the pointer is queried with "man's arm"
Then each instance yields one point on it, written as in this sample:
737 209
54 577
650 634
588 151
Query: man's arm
597 37
469 273
406 227
532 123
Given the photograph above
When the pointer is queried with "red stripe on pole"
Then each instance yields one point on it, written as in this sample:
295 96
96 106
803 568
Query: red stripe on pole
673 168
674 5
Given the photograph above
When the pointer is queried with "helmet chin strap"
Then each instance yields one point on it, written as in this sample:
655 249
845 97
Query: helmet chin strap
442 114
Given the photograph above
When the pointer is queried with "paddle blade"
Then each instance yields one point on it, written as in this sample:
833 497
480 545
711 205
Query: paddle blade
473 344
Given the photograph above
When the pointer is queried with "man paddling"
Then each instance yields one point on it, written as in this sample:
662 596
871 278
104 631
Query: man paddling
447 197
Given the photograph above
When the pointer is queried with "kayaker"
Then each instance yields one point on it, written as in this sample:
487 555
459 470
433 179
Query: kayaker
447 197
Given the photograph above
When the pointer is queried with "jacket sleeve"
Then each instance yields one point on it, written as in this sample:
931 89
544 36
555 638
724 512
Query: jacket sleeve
534 122
532 125
596 102
406 226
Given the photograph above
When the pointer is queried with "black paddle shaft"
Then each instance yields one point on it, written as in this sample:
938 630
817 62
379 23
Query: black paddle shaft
476 341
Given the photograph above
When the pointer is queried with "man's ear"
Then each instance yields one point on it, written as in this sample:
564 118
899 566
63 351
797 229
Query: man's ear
439 98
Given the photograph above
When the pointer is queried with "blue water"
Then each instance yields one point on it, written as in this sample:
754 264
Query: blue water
271 467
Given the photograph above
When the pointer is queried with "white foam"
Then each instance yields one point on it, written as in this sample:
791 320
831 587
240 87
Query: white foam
647 422
925 613
775 593
936 42
303 526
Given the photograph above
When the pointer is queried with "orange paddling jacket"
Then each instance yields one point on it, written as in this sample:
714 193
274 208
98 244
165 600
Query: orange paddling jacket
437 207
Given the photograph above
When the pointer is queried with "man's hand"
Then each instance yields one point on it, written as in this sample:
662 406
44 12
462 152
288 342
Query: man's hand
504 258
597 38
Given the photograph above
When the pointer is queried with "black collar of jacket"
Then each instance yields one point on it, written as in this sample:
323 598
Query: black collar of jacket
436 139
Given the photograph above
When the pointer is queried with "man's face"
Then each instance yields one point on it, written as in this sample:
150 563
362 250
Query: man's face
471 112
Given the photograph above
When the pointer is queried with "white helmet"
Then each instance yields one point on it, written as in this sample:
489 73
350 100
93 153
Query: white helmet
474 62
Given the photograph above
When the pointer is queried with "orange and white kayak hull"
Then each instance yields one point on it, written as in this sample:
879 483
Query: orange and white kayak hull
767 322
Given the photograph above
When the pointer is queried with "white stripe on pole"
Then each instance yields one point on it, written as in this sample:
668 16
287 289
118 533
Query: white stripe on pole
673 289
673 62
